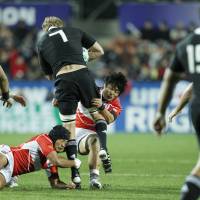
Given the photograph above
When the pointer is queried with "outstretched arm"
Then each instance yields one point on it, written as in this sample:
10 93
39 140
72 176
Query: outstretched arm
185 97
4 84
95 51
166 92
17 98
62 162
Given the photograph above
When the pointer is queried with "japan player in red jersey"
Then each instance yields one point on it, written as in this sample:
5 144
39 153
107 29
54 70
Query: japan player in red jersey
87 137
37 153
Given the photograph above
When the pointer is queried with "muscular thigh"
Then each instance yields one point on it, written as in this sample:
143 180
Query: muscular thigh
2 180
67 93
7 169
82 136
88 88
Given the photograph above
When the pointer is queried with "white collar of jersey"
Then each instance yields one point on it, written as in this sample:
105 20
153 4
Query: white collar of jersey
51 27
197 31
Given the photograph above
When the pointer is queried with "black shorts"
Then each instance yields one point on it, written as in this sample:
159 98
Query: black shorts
73 87
195 116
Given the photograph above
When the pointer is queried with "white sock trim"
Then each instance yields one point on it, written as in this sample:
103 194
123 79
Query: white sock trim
94 171
194 179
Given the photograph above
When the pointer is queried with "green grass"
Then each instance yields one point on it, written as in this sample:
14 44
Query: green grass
144 167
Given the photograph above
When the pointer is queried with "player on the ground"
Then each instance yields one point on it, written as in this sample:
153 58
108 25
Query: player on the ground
87 139
39 152
185 65
60 55
5 96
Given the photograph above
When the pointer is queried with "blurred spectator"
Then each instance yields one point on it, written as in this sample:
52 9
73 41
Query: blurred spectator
140 54
20 32
191 27
33 72
162 31
17 64
178 32
148 31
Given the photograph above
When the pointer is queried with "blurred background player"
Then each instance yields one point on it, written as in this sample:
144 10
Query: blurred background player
39 152
6 97
60 55
87 137
185 65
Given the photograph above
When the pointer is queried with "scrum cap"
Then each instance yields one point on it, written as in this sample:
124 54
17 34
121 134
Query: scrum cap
59 132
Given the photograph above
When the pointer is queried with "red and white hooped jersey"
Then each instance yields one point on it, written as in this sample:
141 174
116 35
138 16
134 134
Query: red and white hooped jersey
84 119
32 155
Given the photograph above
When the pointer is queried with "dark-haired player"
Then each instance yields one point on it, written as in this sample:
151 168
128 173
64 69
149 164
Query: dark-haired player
39 152
186 63
88 140
61 58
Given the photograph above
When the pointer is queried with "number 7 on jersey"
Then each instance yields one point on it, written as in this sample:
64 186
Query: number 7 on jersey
61 33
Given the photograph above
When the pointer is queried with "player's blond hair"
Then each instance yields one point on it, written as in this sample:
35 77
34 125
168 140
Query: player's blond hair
52 21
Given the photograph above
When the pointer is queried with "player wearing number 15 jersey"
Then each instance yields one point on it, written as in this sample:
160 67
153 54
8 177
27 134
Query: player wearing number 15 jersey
186 63
61 57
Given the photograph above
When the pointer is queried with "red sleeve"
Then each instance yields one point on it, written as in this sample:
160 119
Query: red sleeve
114 106
45 143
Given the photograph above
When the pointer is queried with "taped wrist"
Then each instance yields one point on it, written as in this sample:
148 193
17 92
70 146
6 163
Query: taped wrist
102 107
5 96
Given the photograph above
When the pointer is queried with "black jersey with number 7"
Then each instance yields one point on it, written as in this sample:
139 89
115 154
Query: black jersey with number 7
62 46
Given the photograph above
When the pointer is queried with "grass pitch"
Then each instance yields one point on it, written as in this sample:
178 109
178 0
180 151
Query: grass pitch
145 167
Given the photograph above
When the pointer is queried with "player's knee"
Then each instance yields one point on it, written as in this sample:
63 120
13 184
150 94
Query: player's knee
93 141
2 181
3 161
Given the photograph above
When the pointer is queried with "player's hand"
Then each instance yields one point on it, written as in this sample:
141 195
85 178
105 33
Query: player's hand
19 99
56 183
96 102
8 103
173 114
85 54
71 185
77 163
159 123
54 102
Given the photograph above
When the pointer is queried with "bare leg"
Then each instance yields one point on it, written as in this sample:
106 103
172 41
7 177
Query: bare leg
2 181
93 157
3 163
94 161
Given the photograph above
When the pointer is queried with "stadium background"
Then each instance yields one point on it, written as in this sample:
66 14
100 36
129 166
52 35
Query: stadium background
139 40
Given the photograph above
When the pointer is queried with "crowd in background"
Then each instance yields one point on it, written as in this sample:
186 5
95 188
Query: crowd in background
140 54
143 54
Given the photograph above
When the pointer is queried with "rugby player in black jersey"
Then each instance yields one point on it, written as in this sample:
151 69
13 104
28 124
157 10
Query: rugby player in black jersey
61 58
186 64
